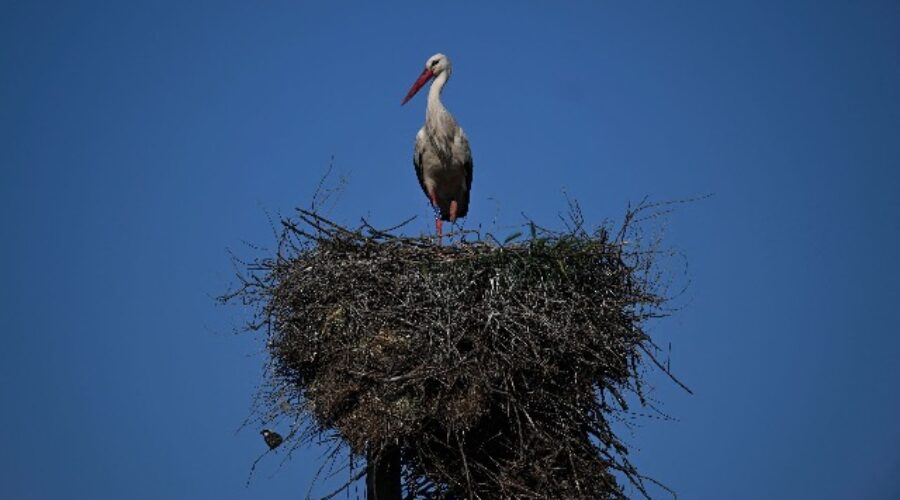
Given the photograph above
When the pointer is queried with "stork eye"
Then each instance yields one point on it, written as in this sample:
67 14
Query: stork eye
434 63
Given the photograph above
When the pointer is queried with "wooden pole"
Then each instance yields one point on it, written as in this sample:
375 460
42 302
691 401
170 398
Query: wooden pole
383 475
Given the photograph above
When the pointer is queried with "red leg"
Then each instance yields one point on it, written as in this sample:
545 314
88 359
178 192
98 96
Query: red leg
438 223
453 208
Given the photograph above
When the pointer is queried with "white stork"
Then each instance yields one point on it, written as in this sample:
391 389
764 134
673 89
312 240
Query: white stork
442 157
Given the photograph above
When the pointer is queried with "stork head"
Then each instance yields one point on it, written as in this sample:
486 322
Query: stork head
438 64
434 66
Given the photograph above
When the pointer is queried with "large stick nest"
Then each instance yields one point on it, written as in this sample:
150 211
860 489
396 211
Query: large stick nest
494 369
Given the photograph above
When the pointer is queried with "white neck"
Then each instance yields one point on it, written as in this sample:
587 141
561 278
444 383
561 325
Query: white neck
434 95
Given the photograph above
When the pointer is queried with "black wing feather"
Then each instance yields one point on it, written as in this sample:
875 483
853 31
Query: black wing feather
420 174
464 203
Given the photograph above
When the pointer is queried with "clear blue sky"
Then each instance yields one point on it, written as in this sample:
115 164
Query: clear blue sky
139 142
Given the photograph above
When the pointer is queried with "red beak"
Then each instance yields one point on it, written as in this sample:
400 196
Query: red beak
423 79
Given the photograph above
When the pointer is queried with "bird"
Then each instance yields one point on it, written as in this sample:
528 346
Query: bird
272 438
442 157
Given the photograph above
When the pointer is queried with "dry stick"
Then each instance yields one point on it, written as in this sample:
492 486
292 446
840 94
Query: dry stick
316 193
325 463
293 228
664 370
345 485
465 466
387 232
253 468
